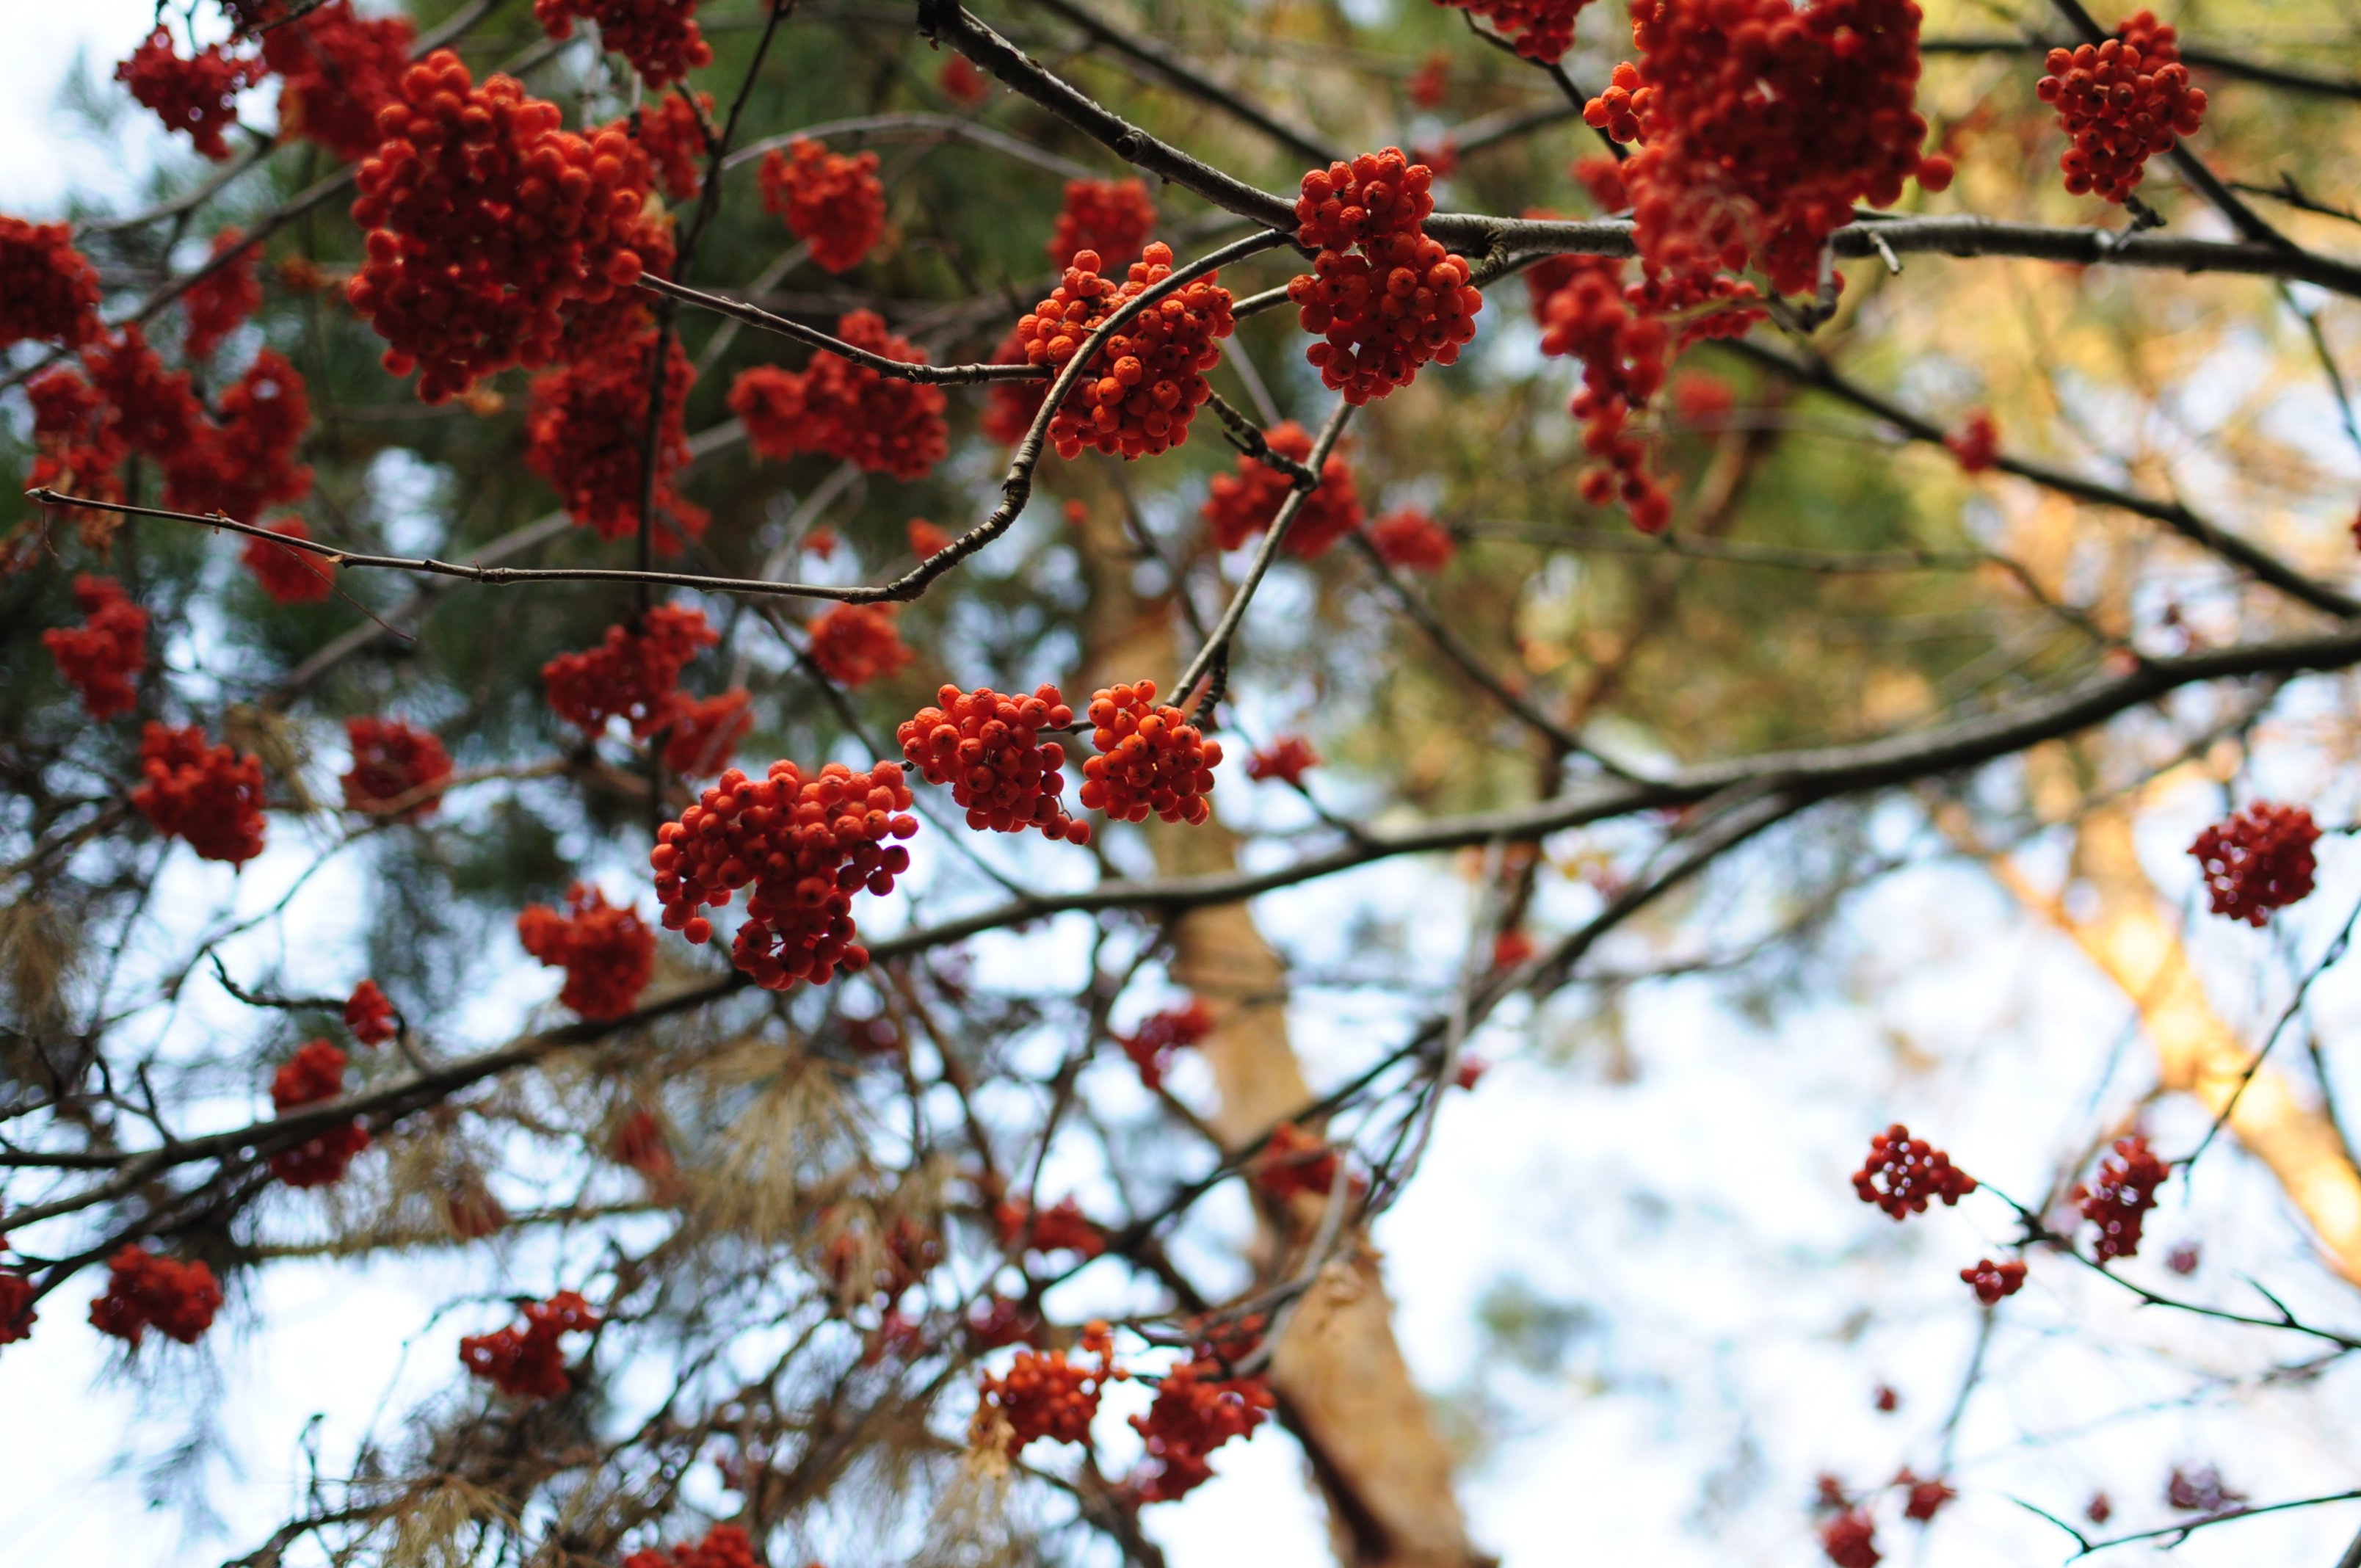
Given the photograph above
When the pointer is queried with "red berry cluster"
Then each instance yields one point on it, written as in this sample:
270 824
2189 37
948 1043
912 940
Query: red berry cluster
961 82
1385 298
149 410
143 1291
640 1143
1241 505
996 1322
486 223
986 745
1145 384
1290 758
1113 217
370 1015
1541 29
1432 81
660 38
1976 443
1902 1174
1762 125
290 576
315 1073
17 1314
854 644
1151 1045
634 675
199 95
878 422
1922 1500
49 290
1150 759
392 762
2200 1491
208 794
2123 102
608 953
336 71
245 460
2118 1199
1414 541
926 541
1061 1227
706 731
1850 1540
1296 1163
2258 859
1044 1395
1992 1281
584 434
103 656
724 1546
1196 1410
672 132
1623 355
878 1264
805 844
835 204
526 1363
77 446
1010 407
218 304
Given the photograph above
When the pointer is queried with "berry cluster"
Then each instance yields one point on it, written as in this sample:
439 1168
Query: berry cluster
724 1546
1922 1500
1903 1174
1144 385
1045 1395
290 576
484 222
1290 758
1151 1045
2258 859
1296 1163
526 1363
1412 541
608 953
49 290
1241 505
961 82
143 1291
1385 298
245 460
805 844
640 1143
1150 759
671 131
834 204
218 304
584 434
103 656
2123 102
986 745
996 1322
1976 443
336 71
706 731
2118 1199
76 445
1196 1410
197 95
1061 1227
877 1263
1623 356
315 1073
1113 217
1430 81
1992 1281
370 1015
854 644
1541 29
660 38
926 541
881 424
634 676
1850 1540
17 1314
1010 407
208 794
392 762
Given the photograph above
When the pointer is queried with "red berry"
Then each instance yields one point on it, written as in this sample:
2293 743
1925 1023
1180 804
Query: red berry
290 576
660 38
1113 217
881 424
143 1291
392 762
1902 1174
608 953
370 1015
585 433
1541 30
209 795
197 95
1977 443
835 204
1290 757
1385 299
1196 1411
854 644
220 302
316 1072
987 747
2122 102
1151 1043
2258 859
2118 1199
1150 759
103 656
1241 505
527 1362
1144 386
1412 541
1994 1281
49 292
336 71
634 675
1045 1395
706 732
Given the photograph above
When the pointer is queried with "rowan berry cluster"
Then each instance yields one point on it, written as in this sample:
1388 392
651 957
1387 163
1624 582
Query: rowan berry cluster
1113 217
1993 1281
585 430
392 762
1903 1174
996 1322
1541 29
608 952
1623 355
1061 1227
208 794
854 644
706 731
1976 443
881 424
1430 81
218 304
2200 1491
49 290
1045 1395
1412 541
672 132
1196 1410
238 463
986 745
2258 859
926 541
1296 1163
145 1291
961 82
336 71
724 1546
103 656
1290 758
1150 1045
1150 759
1142 386
290 576
197 95
2118 1198
640 1143
527 1362
834 204
316 1073
633 675
1850 1540
2123 102
370 1015
660 38
77 447
17 1314
805 844
1241 505
485 223
1923 1499
1384 296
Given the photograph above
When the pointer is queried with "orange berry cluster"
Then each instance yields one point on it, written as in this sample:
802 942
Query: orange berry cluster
1113 217
49 290
392 761
197 95
1296 1163
526 1363
370 1015
1385 298
584 432
1414 541
834 204
103 656
1541 29
1623 356
724 1546
671 131
315 1073
290 576
2258 859
805 844
1150 758
2118 1198
208 794
1241 505
986 745
1061 1227
706 731
1902 1174
854 644
1151 1045
608 953
1145 384
634 676
145 1291
1994 1281
660 38
336 71
485 223
2123 102
218 304
1196 1410
878 422
1045 1395
1976 443
1289 758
